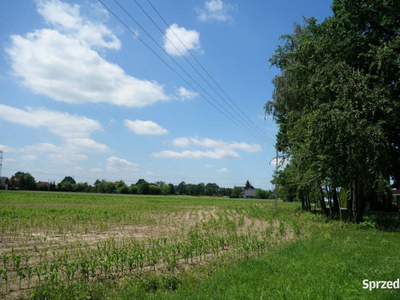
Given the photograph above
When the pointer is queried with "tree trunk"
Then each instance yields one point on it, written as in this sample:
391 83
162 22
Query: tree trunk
350 203
302 201
329 201
322 201
360 203
335 202
353 208
338 202
308 201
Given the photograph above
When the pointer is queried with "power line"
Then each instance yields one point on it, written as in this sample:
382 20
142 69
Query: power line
198 62
195 69
169 66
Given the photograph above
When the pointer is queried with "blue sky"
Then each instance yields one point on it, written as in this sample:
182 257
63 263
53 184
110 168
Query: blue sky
82 96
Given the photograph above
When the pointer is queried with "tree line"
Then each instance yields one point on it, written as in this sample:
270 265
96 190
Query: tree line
25 181
337 104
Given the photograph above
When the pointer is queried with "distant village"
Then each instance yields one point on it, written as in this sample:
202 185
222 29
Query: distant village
25 181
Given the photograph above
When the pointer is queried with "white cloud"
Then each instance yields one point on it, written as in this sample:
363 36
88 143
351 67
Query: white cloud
216 154
190 39
181 142
112 121
6 149
217 144
9 160
96 170
208 166
86 145
41 148
215 10
66 158
116 162
61 124
223 170
67 18
62 64
29 157
145 127
185 94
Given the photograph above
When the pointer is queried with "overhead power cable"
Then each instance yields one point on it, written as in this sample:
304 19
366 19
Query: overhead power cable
141 27
172 69
251 126
198 62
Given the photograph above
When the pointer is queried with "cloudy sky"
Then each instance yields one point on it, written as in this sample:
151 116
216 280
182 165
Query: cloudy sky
83 96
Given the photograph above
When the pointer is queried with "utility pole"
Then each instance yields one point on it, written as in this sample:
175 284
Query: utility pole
276 177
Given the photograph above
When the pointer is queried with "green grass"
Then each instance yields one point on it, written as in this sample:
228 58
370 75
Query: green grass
330 263
325 259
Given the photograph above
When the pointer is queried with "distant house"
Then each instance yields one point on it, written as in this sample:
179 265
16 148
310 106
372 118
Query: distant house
248 193
4 180
46 184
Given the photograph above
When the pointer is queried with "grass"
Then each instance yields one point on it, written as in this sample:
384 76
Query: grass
218 249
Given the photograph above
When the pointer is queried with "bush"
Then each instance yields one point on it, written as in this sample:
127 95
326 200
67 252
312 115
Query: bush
2 186
154 189
123 189
133 189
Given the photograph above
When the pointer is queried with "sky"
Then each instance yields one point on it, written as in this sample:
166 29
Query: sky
87 95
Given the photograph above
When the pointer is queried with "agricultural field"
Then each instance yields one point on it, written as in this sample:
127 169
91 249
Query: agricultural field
61 239
98 246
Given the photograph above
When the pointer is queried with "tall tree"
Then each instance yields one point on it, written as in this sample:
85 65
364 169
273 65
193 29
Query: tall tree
336 100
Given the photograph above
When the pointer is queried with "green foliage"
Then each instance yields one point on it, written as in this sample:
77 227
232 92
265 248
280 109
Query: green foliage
154 189
68 179
105 187
262 194
236 193
133 189
336 102
165 190
123 189
144 187
2 186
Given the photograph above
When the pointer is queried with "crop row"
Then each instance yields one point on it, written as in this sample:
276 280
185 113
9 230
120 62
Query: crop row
112 258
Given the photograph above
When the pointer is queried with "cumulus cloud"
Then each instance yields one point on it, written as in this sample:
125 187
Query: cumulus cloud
58 123
210 143
223 170
175 34
216 154
86 145
29 157
183 142
221 149
116 162
62 63
145 127
185 94
41 148
215 10
7 149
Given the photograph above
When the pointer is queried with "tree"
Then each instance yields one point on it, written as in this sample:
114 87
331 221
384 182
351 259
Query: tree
68 179
172 189
336 103
144 187
211 189
248 185
154 189
236 193
165 190
181 188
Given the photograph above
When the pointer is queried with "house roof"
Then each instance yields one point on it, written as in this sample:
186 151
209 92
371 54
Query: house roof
250 192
